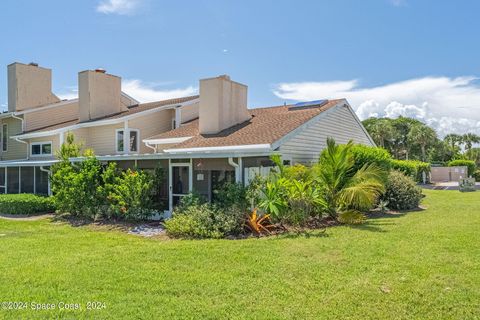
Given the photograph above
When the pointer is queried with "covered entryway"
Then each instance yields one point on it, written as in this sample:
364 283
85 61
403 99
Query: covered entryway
179 180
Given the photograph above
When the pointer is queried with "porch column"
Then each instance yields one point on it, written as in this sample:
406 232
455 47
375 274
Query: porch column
34 181
19 179
6 179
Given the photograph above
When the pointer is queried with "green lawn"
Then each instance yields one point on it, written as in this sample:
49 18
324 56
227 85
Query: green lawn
423 265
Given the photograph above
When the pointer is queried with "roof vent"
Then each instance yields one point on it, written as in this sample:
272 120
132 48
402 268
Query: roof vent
309 104
34 64
100 70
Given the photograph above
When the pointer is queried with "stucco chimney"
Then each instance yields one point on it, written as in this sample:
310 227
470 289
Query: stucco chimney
99 94
223 103
29 86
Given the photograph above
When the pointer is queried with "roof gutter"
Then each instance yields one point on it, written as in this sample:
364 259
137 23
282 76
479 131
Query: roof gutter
166 140
239 148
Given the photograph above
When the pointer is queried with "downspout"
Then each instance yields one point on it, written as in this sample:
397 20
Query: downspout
18 139
148 145
49 173
238 176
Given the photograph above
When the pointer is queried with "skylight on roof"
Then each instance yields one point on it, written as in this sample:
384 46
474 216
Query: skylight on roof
313 103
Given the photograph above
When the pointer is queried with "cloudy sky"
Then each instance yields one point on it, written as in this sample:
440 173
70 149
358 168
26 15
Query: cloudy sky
387 57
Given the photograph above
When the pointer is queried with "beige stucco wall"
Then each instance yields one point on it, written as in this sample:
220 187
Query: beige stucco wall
49 116
15 149
445 174
99 95
29 86
223 103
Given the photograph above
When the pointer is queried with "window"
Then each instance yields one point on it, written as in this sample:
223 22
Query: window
4 137
41 149
133 140
119 140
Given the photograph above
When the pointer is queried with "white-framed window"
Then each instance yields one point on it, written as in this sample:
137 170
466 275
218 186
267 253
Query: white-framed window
4 137
133 140
41 149
174 123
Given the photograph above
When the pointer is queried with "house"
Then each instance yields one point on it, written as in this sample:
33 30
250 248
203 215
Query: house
199 140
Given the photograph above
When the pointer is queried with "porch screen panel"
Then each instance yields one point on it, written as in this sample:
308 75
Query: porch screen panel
12 180
41 181
201 183
2 180
26 176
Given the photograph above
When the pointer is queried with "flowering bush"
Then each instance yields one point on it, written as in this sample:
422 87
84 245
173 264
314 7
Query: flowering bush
128 194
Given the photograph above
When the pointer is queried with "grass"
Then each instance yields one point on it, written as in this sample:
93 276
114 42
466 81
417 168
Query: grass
421 265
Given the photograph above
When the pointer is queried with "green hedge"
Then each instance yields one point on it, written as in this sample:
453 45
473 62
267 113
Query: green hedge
365 154
25 204
411 168
467 163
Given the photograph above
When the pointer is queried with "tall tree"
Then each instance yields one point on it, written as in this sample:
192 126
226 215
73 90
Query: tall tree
402 127
454 140
469 139
423 136
381 131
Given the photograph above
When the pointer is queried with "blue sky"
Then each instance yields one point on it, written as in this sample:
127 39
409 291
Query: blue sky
388 57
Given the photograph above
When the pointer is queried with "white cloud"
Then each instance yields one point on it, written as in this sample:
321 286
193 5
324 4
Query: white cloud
121 7
142 92
147 93
448 104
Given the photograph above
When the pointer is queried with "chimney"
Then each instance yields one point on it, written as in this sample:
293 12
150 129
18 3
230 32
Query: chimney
29 86
99 94
223 103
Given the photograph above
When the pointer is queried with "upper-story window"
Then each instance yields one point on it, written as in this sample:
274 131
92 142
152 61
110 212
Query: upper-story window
132 141
4 137
41 149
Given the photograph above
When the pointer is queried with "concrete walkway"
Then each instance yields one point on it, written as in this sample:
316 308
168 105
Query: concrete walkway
22 217
451 185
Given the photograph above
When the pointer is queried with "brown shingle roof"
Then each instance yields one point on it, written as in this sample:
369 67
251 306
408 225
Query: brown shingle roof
131 110
266 126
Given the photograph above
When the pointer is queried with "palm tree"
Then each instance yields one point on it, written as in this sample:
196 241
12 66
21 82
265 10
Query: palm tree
342 188
423 136
381 130
469 139
454 140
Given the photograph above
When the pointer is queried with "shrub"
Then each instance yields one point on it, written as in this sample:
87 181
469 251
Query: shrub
411 168
401 192
231 194
27 204
363 155
204 221
129 193
89 190
467 163
75 187
477 175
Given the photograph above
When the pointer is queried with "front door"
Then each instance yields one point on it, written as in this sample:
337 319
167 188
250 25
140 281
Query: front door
180 182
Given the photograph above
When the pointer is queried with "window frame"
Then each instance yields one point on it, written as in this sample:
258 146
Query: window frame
41 144
4 137
117 140
138 140
126 140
